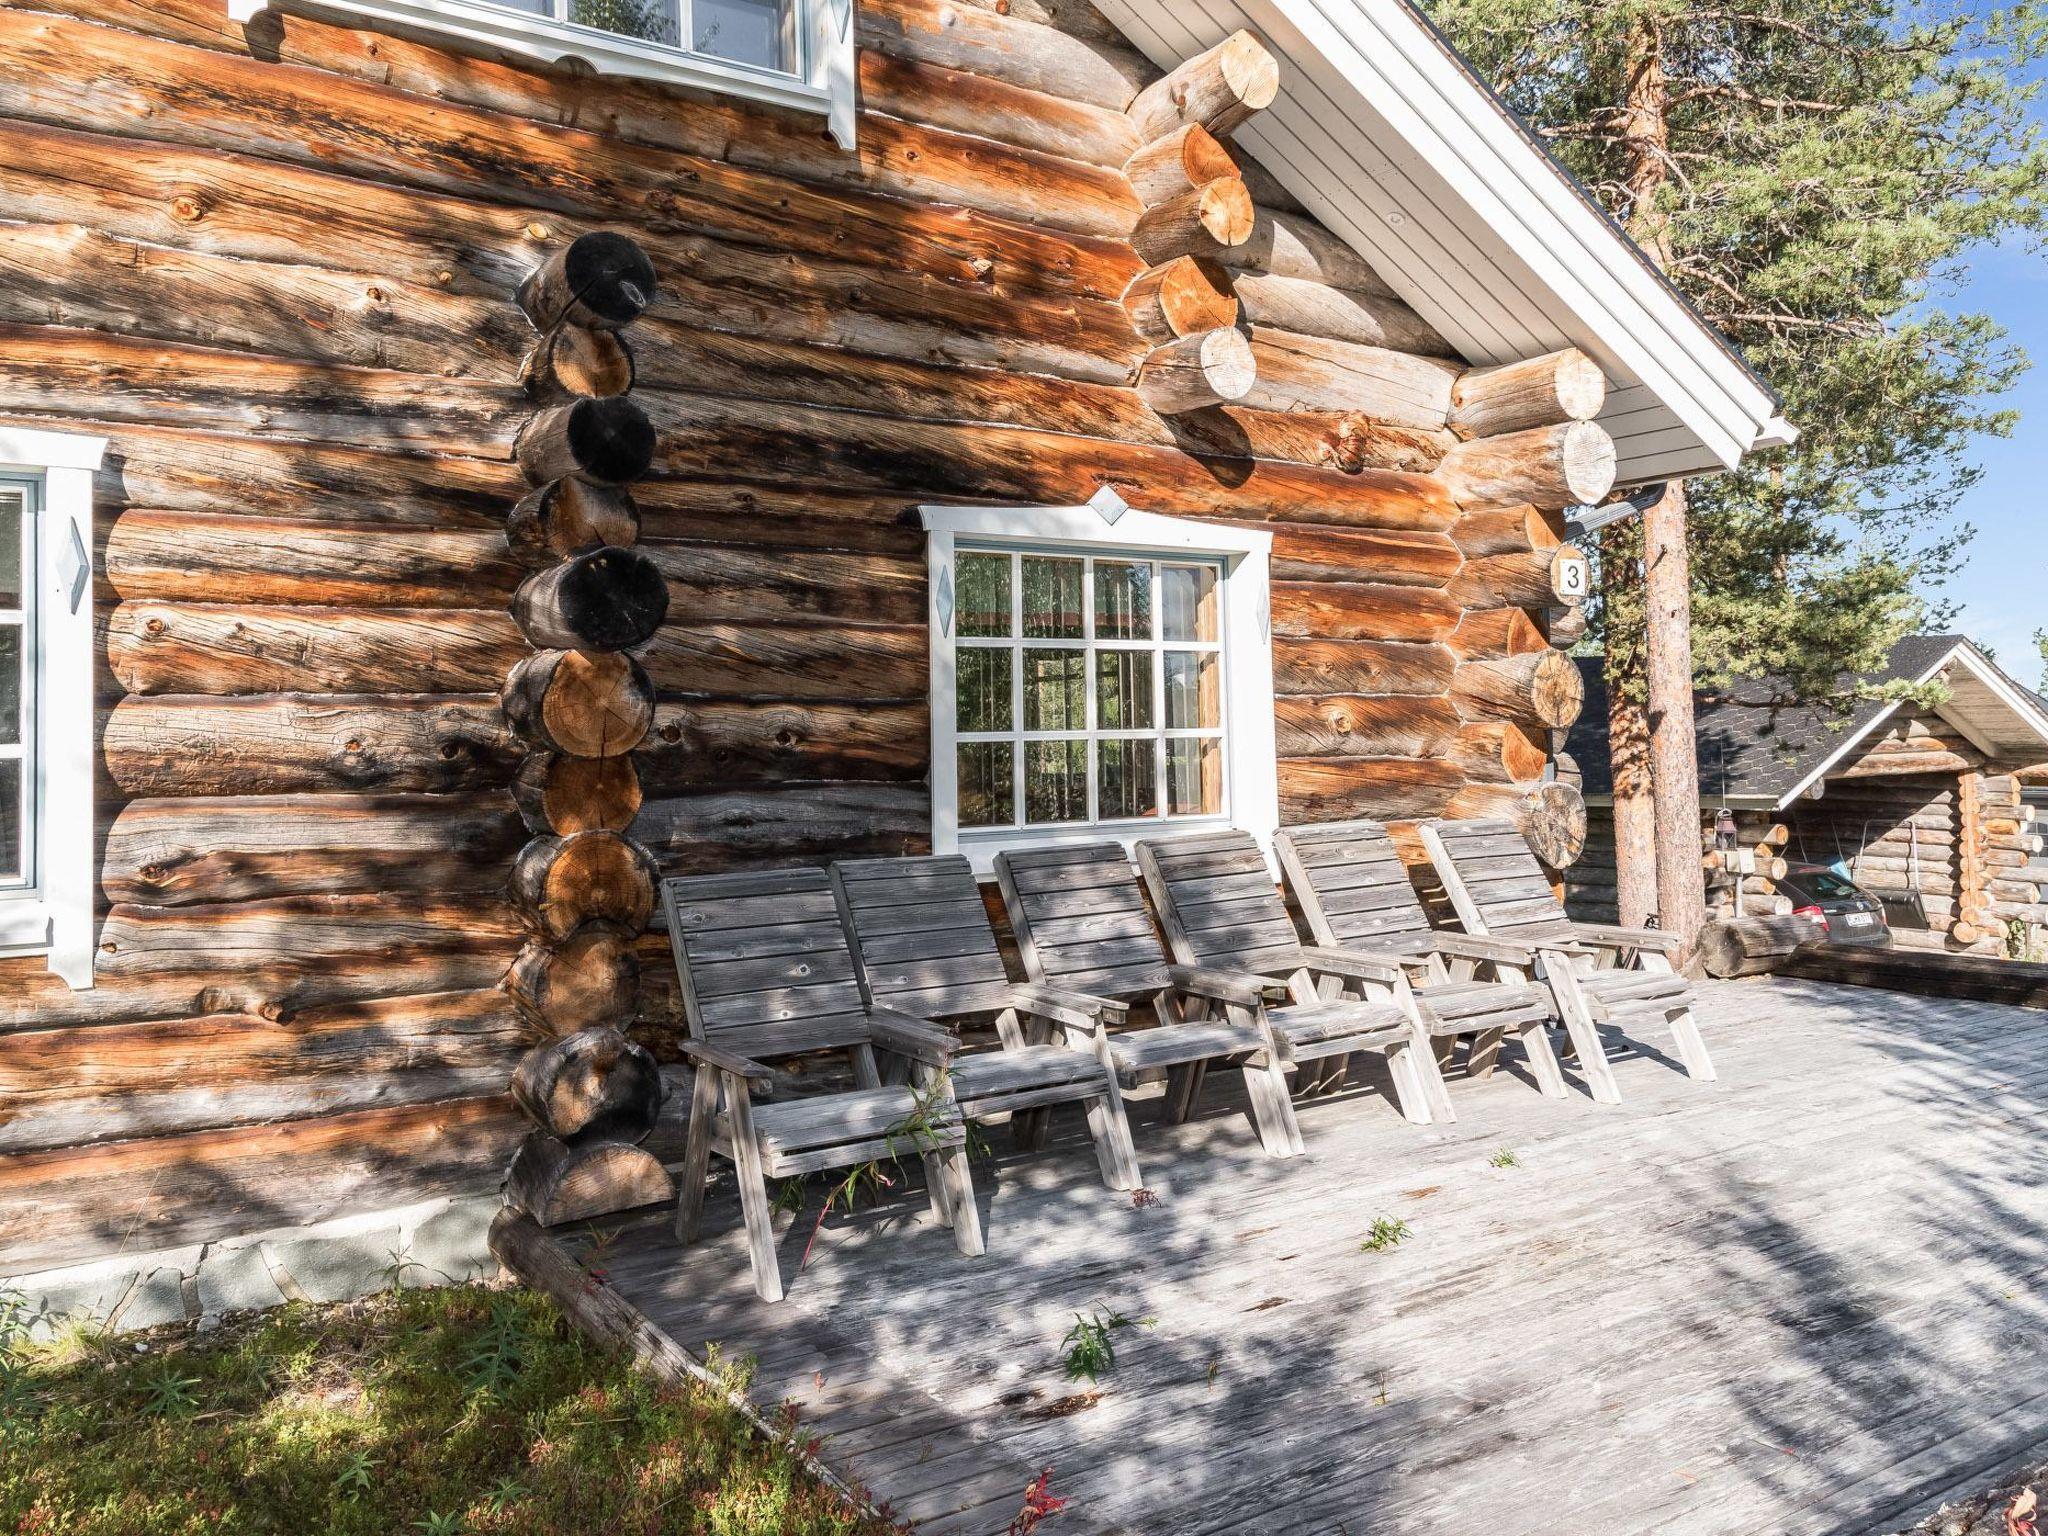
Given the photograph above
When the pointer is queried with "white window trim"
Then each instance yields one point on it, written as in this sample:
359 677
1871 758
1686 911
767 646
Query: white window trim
56 917
1251 779
826 86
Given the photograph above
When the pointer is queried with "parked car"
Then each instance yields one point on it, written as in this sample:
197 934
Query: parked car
1850 914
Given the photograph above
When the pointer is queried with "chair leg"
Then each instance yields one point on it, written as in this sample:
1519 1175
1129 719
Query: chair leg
696 1157
1535 1040
1183 1087
966 1215
753 1180
1592 1055
1692 1045
935 1187
1485 1053
1273 1109
1110 1129
1419 1086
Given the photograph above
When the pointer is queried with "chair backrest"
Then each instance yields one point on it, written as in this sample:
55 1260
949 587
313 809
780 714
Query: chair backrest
1492 877
1352 886
923 943
764 963
1218 903
1080 920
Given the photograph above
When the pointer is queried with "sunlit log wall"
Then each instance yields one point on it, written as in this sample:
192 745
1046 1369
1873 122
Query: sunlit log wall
274 266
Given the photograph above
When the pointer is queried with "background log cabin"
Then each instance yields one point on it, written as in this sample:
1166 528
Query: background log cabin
1933 802
277 266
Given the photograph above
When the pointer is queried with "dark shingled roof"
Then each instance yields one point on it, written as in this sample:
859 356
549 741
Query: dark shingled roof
1752 740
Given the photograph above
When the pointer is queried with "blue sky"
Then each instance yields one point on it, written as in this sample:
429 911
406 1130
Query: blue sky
2002 589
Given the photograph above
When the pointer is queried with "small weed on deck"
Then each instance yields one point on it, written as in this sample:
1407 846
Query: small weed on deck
1387 1232
458 1412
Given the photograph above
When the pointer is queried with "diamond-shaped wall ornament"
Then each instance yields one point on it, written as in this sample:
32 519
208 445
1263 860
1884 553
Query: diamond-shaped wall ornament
946 602
1109 504
73 567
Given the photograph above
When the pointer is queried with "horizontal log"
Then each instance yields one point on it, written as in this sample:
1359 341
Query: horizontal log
1176 163
602 600
1289 244
565 517
179 852
590 978
1382 789
1359 610
198 557
1311 666
573 360
609 441
1559 466
1306 552
1220 88
558 884
1353 725
1536 578
1314 307
916 90
1484 633
600 281
691 834
558 793
555 1183
1752 946
219 649
593 1085
1536 392
1316 373
790 662
109 1082
1541 688
1181 297
1552 816
1511 530
1195 372
1904 761
290 744
73 1204
1053 53
709 584
701 744
1209 221
253 935
1499 752
1565 627
586 704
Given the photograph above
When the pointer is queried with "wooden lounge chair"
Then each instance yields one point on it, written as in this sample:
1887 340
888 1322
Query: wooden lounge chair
1599 973
1354 892
767 972
923 944
1220 908
1079 916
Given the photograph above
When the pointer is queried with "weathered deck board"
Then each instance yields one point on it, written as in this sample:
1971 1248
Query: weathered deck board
1801 1299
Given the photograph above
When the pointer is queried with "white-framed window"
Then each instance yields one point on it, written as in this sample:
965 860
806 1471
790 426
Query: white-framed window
791 53
46 693
1096 671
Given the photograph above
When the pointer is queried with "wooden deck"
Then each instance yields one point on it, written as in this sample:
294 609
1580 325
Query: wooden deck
1806 1298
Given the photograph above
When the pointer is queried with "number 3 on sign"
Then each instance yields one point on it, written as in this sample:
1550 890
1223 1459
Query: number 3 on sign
1571 576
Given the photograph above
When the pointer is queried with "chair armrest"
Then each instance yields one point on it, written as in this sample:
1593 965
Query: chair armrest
1609 936
1354 964
1033 996
1472 946
917 1038
724 1060
1051 1007
1226 987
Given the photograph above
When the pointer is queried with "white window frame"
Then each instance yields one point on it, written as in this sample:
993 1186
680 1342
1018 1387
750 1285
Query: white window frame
53 915
824 82
1108 528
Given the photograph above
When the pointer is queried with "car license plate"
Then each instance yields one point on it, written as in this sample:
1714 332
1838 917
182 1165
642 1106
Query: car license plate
1857 919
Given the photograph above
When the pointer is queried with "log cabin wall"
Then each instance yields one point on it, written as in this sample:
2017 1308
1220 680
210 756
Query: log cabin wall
276 267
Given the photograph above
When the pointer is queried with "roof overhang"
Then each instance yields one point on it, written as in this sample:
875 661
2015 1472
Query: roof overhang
1385 134
1984 706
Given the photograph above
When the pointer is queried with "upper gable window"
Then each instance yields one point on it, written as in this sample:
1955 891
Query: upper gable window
1096 671
791 53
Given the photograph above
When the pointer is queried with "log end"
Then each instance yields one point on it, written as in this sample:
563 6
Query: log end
1226 210
555 1183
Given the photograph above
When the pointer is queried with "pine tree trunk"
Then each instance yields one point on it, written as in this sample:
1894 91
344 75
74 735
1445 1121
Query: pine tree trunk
1628 736
1674 752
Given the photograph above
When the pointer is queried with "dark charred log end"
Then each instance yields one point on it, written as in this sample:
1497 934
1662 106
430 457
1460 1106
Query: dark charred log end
612 439
614 598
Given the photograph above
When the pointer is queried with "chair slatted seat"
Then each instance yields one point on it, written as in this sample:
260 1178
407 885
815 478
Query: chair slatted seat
923 943
1078 912
1220 908
1599 973
767 972
1354 892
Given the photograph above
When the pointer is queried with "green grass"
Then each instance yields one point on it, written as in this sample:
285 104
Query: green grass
467 1410
1387 1232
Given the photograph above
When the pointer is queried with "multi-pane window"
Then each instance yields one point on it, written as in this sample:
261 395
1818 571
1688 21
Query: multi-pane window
1088 688
17 681
761 34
